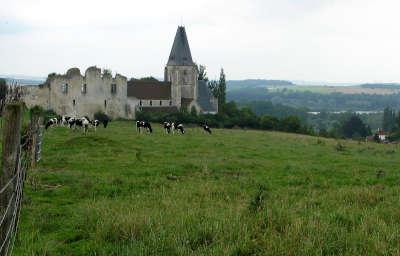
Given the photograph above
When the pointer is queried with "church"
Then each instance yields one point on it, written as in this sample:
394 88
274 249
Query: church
75 94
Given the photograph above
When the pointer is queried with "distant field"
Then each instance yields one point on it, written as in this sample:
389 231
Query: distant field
237 192
340 89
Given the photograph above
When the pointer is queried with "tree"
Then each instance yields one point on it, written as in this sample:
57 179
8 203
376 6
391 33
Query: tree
3 89
202 73
389 120
222 88
290 124
148 78
354 127
268 122
107 72
213 86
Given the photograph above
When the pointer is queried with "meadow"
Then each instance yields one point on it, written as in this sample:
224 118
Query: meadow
235 192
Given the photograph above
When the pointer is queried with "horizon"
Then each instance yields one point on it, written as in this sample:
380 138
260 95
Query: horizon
330 41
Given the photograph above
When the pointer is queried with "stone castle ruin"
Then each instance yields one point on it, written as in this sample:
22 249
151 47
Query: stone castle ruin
83 95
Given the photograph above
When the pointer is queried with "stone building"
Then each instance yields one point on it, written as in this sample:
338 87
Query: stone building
77 95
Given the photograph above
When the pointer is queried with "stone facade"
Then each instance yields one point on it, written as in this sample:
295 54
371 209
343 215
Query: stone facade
77 95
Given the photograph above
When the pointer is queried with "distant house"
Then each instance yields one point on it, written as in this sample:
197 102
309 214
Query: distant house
382 135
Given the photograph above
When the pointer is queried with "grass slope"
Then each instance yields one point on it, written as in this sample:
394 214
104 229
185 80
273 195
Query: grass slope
236 192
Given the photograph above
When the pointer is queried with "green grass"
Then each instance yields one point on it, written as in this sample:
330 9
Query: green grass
237 192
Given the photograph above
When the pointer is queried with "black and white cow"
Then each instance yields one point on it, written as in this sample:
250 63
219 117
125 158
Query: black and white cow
51 122
85 124
64 120
145 125
206 128
167 127
71 122
180 128
95 123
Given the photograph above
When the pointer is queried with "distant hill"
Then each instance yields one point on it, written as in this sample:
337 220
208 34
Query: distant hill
23 80
254 83
381 85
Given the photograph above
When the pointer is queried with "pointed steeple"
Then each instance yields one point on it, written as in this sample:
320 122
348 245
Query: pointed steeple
180 53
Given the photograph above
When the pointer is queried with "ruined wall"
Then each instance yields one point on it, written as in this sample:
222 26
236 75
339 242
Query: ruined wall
67 96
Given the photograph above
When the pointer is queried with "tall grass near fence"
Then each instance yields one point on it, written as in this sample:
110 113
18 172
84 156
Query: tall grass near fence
236 192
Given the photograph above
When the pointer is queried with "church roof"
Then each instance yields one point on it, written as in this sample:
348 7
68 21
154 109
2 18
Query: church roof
180 53
149 90
204 97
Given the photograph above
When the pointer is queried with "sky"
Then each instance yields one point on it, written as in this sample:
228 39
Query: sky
309 40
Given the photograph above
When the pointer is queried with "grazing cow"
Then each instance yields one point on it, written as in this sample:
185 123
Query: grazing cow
71 122
145 125
51 122
206 128
64 120
167 127
85 124
180 128
138 126
95 123
105 122
173 127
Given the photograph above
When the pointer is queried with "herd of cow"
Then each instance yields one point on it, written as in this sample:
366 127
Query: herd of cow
72 122
168 127
85 123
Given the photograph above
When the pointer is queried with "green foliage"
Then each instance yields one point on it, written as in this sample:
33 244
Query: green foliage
230 116
107 72
213 87
202 73
389 120
3 89
47 114
148 78
355 128
36 110
221 88
101 116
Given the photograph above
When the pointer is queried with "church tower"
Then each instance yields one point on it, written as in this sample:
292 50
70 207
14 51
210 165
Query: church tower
181 71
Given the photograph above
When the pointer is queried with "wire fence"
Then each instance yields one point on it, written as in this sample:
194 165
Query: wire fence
11 192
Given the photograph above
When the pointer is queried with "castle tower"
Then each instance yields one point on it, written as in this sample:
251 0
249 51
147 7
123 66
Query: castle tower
180 70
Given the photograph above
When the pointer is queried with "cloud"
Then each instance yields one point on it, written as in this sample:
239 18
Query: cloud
332 40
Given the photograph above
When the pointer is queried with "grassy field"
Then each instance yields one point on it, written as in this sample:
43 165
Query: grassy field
236 192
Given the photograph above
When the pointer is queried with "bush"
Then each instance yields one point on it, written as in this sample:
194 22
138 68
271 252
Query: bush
102 117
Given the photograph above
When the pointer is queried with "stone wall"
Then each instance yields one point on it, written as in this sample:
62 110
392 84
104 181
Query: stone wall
183 82
65 94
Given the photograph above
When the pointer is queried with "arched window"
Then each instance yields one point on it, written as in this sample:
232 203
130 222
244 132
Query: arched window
113 88
160 102
64 88
170 103
140 102
84 89
151 103
105 103
73 102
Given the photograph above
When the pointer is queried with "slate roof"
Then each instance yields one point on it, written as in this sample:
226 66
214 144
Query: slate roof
180 53
204 97
149 90
169 109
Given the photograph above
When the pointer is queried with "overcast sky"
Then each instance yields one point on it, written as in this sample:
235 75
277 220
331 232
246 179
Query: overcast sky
313 40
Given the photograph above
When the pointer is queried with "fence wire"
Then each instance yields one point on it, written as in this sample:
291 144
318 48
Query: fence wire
10 216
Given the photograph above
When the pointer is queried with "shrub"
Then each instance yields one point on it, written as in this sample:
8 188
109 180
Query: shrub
101 116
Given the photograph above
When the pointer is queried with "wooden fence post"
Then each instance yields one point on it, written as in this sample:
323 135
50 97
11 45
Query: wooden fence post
11 143
35 126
